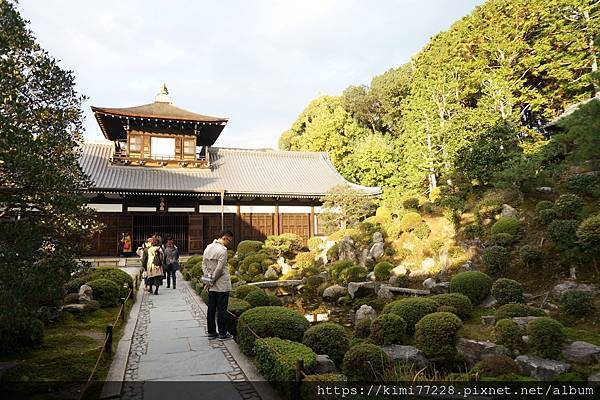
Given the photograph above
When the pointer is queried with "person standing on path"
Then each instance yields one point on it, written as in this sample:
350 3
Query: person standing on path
218 282
171 262
152 261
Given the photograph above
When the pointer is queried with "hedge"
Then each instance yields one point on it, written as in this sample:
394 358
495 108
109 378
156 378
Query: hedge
269 322
327 338
236 307
473 284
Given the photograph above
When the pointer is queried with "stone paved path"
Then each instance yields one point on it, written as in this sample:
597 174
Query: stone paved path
169 344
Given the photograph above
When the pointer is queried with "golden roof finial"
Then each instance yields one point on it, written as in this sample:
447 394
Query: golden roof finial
163 95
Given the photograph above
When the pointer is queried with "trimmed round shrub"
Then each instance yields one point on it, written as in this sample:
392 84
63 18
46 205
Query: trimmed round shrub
436 334
327 338
473 231
512 310
193 260
488 208
355 274
501 239
305 260
337 269
243 290
314 243
588 233
507 291
409 221
577 302
236 307
543 205
383 270
388 329
563 232
411 310
546 337
105 291
474 284
276 359
449 309
461 303
365 362
509 334
585 185
258 298
422 230
567 206
496 259
411 203
247 247
544 217
363 328
506 225
20 334
118 276
269 321
496 365
530 254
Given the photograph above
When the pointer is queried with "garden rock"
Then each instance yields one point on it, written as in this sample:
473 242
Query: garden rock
6 366
346 247
408 355
376 251
488 319
594 377
429 283
365 312
541 368
335 291
468 266
371 276
489 302
324 365
581 353
508 211
75 308
324 275
400 270
377 237
544 189
524 321
428 264
323 254
561 288
404 290
271 273
441 288
86 293
362 289
285 267
474 350
444 258
363 257
384 293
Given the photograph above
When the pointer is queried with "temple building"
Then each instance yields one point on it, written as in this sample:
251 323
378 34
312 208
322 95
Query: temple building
158 172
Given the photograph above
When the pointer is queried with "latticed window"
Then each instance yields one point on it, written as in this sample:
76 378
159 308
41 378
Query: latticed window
189 147
135 143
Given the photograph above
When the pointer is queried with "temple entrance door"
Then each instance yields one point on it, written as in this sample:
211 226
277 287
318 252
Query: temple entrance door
173 226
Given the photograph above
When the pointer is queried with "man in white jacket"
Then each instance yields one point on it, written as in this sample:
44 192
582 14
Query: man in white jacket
218 282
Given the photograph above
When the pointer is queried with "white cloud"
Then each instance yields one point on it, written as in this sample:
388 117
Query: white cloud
258 62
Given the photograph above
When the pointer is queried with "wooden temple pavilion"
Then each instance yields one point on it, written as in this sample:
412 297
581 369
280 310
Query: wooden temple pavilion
158 172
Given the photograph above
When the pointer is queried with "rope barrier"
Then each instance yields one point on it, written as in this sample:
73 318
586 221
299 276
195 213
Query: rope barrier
105 344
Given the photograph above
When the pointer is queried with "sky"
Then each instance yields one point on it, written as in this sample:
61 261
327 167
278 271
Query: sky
257 62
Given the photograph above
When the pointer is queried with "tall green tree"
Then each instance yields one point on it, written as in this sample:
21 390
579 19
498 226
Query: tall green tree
43 218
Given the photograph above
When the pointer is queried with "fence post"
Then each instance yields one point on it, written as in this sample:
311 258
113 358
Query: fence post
123 313
109 335
299 369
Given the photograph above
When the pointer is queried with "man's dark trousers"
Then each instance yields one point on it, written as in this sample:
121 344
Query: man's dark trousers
217 303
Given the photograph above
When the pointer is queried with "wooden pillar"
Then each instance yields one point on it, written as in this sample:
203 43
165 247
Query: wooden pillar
311 223
276 221
238 223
